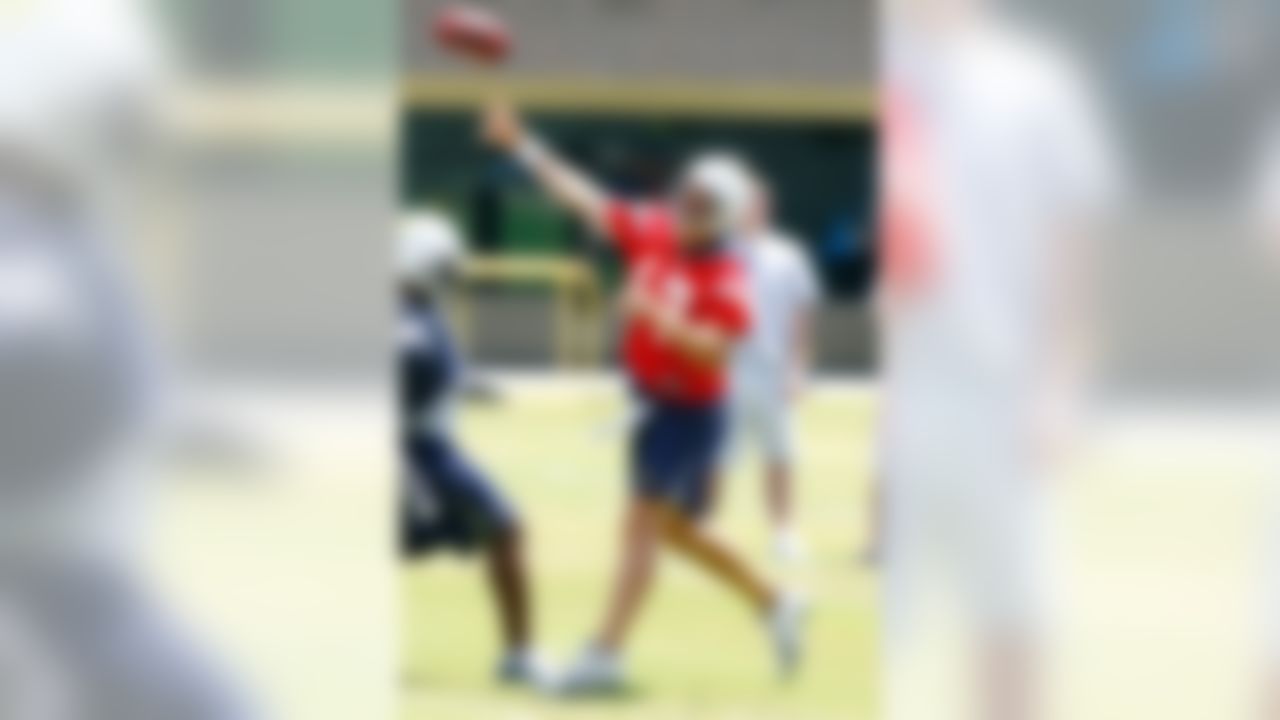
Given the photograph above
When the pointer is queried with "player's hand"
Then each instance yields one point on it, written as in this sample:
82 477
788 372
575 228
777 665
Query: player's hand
634 303
640 305
501 126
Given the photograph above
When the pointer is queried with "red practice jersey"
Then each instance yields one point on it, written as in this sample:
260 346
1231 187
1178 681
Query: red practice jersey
707 286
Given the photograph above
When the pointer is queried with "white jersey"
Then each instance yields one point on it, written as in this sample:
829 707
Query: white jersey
77 79
1266 220
1265 192
76 374
1014 154
783 287
1007 154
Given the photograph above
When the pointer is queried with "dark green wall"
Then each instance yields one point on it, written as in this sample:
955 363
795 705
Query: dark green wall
823 175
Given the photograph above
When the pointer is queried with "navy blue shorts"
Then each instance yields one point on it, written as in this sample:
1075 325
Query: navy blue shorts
448 502
674 453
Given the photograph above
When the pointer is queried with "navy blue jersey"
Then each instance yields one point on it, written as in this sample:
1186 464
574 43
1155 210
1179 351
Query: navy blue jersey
430 367
448 502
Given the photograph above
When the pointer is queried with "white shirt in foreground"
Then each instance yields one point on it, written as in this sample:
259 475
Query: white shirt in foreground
1017 157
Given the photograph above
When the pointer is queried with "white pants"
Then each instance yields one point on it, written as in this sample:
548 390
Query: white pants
965 517
761 418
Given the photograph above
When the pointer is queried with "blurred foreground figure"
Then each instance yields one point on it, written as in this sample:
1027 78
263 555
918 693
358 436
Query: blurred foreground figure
686 309
448 502
80 638
1266 220
994 170
771 365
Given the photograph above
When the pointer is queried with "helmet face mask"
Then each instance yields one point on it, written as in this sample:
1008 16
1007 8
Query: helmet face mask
698 214
713 197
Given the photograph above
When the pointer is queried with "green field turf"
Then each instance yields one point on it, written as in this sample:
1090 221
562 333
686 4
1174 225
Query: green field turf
696 652
283 563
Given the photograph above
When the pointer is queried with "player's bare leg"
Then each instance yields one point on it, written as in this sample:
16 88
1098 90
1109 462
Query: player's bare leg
707 551
1010 679
1271 692
635 573
778 495
599 669
873 550
780 500
782 611
648 522
508 577
509 580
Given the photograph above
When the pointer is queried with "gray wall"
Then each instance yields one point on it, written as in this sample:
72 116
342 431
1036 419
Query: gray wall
771 42
512 328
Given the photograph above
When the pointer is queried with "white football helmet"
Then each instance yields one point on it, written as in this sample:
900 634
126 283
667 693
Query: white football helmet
429 247
727 179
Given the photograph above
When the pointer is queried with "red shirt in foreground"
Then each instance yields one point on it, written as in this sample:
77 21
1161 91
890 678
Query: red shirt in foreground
707 286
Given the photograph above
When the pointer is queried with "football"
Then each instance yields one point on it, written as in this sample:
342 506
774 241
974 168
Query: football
471 32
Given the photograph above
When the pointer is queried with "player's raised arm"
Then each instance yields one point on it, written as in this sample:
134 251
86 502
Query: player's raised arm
503 129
